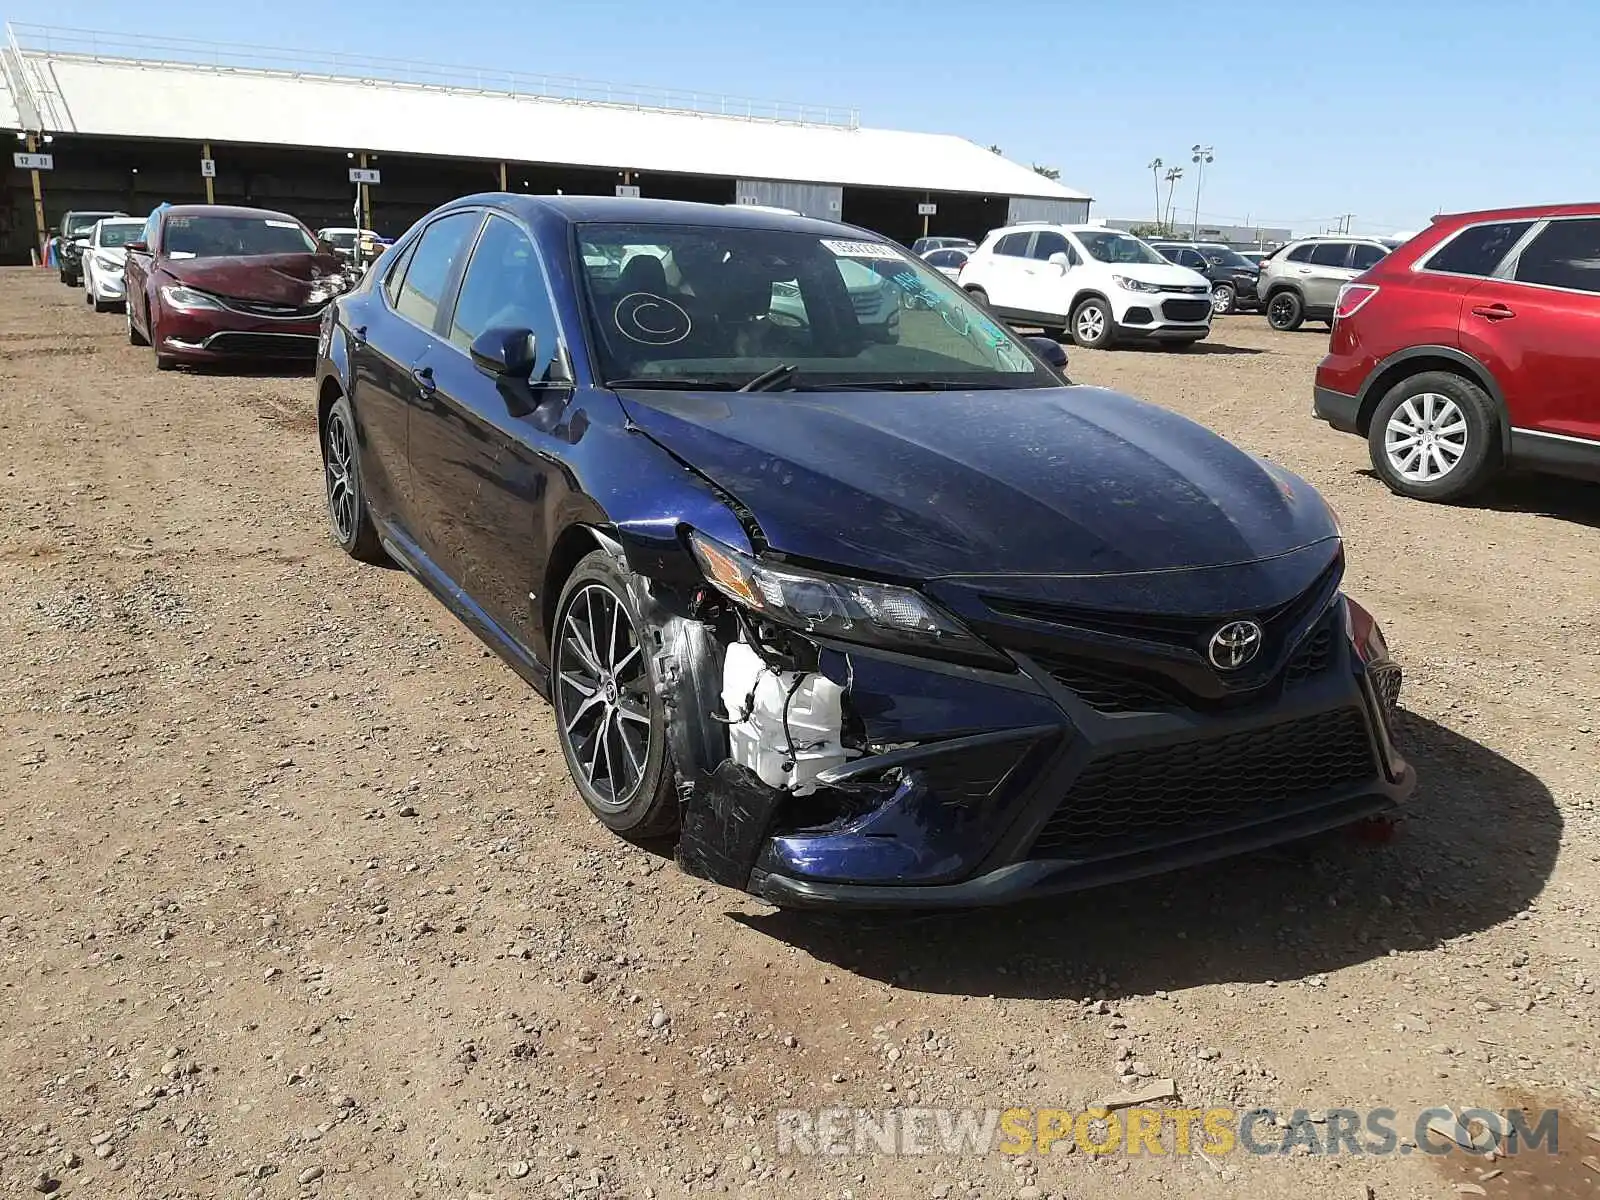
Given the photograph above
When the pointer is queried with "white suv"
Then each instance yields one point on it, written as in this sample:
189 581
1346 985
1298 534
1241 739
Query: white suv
1102 284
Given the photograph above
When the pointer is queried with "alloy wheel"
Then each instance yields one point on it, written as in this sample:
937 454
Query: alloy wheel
1281 309
1425 438
1090 324
603 696
1222 300
339 463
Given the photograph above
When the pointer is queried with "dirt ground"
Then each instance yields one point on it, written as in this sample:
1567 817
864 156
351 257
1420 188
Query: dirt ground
295 898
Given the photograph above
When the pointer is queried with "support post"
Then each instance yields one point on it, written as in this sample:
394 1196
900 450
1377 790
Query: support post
366 198
38 201
503 177
211 190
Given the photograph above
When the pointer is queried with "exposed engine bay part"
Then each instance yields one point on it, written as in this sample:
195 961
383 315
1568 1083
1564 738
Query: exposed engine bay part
784 726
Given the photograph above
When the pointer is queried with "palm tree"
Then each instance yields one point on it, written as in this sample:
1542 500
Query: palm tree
1155 169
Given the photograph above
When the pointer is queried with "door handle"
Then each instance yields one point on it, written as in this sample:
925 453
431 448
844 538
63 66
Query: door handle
423 378
1493 312
1302 270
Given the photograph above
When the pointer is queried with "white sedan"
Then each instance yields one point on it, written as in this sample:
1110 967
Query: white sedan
948 261
103 258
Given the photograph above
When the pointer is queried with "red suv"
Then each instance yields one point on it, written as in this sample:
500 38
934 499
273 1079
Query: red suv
1473 348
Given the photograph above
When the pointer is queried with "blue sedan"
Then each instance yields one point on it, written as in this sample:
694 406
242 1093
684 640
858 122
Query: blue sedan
860 612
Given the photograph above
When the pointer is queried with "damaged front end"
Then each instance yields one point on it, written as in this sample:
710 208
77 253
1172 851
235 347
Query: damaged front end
847 742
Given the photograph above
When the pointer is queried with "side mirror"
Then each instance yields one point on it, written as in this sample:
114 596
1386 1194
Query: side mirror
1061 260
1052 351
83 242
138 247
508 353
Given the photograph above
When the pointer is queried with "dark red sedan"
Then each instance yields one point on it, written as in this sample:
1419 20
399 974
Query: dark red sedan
210 282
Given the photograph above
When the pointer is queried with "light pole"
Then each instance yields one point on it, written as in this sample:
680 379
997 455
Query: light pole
1173 175
1155 175
1202 156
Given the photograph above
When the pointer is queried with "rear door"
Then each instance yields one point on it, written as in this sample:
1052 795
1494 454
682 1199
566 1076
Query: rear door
1004 276
1328 270
1536 326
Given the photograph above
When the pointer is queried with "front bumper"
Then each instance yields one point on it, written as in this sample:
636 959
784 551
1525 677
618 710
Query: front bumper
987 788
1163 316
211 335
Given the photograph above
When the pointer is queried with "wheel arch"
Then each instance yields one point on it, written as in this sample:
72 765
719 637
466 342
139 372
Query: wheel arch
1414 360
1283 285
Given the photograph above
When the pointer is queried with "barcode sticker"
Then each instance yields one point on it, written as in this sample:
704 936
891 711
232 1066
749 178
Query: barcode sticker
861 249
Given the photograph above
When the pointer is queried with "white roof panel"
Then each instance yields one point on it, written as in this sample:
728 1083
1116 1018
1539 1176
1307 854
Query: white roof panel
130 98
8 105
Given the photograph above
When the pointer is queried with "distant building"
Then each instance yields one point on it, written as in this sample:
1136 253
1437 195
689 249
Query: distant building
1241 237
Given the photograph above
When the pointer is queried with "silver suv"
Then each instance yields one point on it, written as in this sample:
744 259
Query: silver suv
1301 280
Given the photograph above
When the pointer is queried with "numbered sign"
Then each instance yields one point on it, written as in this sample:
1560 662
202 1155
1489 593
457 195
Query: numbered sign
34 162
365 175
208 168
629 190
927 210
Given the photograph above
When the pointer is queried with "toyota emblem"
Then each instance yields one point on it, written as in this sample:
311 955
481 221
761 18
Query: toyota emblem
1234 645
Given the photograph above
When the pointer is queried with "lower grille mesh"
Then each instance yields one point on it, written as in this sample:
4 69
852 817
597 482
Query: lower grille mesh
1148 796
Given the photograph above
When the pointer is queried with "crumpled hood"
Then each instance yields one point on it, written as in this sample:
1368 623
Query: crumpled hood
298 279
1052 481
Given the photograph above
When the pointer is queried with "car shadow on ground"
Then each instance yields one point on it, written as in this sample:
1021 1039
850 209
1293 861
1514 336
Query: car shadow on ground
1552 496
1209 347
1478 842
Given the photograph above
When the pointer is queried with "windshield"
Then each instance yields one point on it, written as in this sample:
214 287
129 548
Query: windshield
79 224
120 233
340 239
1111 247
720 306
221 237
1223 256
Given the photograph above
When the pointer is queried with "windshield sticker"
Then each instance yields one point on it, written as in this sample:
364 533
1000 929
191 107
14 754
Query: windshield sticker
180 254
860 249
283 224
651 320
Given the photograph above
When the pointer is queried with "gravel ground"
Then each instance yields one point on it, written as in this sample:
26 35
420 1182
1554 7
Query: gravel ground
295 899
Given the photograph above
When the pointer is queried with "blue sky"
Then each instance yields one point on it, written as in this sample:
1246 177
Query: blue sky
1391 111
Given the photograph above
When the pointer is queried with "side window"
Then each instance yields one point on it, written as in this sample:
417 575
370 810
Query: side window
1478 250
1192 258
1363 256
1565 255
504 287
433 261
946 258
1330 254
391 285
1301 253
1014 245
1045 244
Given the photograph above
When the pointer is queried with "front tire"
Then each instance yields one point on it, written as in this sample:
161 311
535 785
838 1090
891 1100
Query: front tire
1435 436
1224 300
1286 312
348 515
135 338
1092 324
1054 332
610 716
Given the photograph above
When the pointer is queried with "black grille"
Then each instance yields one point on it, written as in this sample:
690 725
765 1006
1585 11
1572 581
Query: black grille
1106 689
1314 654
1386 682
1185 310
265 345
1137 315
1152 795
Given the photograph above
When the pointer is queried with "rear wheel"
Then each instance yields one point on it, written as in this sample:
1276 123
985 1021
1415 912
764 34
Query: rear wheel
1435 436
610 717
1286 311
1091 324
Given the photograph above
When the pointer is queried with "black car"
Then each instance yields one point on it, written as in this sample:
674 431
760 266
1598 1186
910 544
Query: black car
74 237
1233 276
908 623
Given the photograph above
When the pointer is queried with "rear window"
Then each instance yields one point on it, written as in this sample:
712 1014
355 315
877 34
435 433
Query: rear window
1301 253
1363 256
1477 250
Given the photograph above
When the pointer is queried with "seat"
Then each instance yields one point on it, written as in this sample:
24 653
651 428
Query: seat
644 273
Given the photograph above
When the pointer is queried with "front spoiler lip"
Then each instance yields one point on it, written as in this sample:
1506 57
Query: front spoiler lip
1047 877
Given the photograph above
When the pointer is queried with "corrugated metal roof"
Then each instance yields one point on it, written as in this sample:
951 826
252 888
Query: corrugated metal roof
156 100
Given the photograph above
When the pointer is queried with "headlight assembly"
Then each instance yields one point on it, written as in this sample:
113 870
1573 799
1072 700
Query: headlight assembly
852 610
179 296
1134 285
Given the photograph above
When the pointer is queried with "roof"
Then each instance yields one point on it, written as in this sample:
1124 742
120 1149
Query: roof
123 97
1527 212
225 210
624 211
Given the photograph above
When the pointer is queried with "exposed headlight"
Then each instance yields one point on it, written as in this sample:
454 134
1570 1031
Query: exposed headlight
852 610
179 296
1135 285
